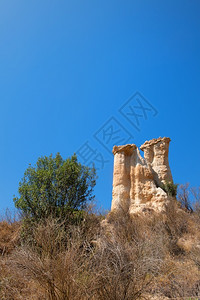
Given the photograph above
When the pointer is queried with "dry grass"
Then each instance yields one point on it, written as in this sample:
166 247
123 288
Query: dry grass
122 258
9 236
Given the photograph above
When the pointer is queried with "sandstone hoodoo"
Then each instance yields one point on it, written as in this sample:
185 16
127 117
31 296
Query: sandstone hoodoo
137 181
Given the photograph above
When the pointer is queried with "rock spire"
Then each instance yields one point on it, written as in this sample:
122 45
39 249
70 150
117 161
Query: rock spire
137 180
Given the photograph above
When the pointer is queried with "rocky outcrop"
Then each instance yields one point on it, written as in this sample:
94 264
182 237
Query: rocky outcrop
156 156
137 180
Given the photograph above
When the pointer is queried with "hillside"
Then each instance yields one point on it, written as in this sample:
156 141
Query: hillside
149 256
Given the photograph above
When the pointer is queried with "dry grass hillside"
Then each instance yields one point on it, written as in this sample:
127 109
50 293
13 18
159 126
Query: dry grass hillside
151 256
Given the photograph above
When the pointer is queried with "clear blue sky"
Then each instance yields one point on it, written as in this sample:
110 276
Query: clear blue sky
67 67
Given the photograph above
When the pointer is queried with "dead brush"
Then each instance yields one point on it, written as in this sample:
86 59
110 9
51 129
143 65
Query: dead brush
9 236
129 257
125 257
54 261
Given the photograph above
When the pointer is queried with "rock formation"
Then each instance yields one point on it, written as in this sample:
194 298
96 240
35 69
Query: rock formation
137 180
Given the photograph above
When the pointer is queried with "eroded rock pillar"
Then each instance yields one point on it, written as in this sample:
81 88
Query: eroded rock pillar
136 180
156 155
121 175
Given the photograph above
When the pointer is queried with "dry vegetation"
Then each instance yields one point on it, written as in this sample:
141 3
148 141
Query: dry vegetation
152 256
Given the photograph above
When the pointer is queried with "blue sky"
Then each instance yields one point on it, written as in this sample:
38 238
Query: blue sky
67 67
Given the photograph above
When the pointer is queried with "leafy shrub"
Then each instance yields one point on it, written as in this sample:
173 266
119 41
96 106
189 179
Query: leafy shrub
55 187
170 188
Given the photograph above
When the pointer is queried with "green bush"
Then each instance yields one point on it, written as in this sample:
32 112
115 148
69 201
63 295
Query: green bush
55 187
170 188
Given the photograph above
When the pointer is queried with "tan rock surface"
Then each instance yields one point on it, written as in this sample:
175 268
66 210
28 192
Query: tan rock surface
156 155
136 180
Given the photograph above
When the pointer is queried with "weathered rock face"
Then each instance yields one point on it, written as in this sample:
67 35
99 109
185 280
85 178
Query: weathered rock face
156 156
136 180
